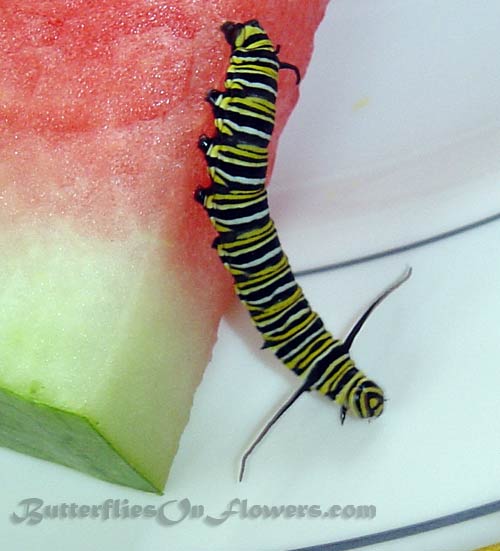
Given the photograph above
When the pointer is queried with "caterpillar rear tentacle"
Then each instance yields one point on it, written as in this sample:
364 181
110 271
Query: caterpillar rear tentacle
248 244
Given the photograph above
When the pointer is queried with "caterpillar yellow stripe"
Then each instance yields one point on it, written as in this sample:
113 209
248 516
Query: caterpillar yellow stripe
248 243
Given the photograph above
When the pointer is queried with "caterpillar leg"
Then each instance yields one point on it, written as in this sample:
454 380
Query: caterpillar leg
204 143
343 413
285 65
213 97
200 195
226 237
294 68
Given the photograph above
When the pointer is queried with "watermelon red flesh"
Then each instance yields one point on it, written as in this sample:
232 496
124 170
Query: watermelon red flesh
110 292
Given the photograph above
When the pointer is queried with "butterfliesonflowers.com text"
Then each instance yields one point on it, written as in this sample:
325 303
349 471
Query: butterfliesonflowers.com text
33 510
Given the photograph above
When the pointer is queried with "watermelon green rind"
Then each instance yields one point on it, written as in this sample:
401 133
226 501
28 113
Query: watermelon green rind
64 437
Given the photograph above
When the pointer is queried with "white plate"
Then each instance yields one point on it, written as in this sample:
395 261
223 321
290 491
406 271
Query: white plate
397 134
396 139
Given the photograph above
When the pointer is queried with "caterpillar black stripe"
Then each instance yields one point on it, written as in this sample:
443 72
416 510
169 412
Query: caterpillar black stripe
248 244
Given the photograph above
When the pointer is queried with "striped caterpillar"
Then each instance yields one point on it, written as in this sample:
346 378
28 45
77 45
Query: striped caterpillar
248 244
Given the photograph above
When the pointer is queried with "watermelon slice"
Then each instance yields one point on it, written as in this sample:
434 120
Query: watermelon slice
110 292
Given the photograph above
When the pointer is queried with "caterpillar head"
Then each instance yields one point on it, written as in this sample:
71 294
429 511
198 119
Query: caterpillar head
365 400
248 35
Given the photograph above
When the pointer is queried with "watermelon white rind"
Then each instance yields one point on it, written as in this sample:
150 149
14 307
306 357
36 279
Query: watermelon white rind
99 329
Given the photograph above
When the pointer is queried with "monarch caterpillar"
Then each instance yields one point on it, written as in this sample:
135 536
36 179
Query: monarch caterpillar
248 243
